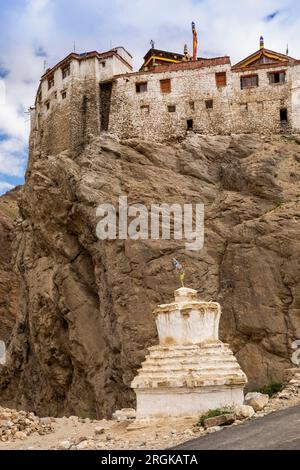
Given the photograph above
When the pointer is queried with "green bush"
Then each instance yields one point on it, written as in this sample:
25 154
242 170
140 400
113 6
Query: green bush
278 203
211 414
271 389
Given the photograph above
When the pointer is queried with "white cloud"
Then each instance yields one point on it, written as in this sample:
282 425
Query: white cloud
4 187
12 157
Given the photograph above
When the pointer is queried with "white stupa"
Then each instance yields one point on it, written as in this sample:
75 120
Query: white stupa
191 371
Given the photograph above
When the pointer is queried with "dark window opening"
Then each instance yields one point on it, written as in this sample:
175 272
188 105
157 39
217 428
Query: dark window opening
66 71
105 101
209 104
165 85
50 82
221 79
190 124
249 81
172 108
103 64
283 115
48 105
64 95
141 87
260 105
276 77
192 105
145 108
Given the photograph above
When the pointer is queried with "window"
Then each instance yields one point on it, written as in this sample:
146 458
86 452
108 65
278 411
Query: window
47 105
244 107
209 104
63 95
249 81
276 77
192 105
145 109
141 87
221 79
66 71
103 64
172 108
50 82
283 115
260 105
190 124
165 85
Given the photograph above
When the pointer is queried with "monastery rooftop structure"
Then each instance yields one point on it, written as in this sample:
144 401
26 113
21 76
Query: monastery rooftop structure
170 95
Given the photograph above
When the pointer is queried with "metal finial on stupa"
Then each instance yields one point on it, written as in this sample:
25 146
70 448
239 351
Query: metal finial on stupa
180 270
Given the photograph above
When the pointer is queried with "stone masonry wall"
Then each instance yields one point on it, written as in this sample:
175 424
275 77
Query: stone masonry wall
146 114
69 122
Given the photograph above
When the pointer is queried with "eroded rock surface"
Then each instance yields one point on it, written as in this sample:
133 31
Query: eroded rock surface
9 286
86 317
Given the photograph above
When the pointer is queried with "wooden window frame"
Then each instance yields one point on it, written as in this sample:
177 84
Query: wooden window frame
243 77
279 73
165 85
221 83
66 71
51 82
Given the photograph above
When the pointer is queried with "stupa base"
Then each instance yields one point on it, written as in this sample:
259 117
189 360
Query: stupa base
156 404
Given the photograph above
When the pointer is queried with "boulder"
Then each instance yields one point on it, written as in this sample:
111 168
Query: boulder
124 415
214 429
243 411
258 401
64 445
223 420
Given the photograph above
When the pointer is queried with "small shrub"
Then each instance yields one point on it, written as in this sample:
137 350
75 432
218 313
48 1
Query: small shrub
271 389
278 203
211 414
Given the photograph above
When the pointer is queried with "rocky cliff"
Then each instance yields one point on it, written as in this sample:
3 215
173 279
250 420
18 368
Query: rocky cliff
9 286
86 320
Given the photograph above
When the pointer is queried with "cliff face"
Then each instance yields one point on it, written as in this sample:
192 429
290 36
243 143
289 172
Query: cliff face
8 279
86 320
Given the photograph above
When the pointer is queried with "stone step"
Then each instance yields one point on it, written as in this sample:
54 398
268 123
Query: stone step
190 347
190 365
180 371
199 365
186 381
196 359
187 352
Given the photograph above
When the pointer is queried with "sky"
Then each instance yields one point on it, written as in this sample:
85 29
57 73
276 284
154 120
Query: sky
35 33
